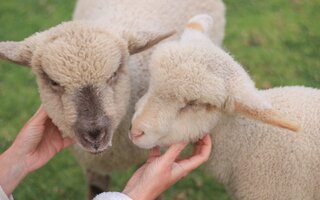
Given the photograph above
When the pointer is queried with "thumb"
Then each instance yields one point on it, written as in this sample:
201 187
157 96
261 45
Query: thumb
67 141
39 118
173 152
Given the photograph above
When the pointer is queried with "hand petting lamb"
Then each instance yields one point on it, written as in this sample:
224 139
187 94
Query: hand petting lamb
90 75
259 151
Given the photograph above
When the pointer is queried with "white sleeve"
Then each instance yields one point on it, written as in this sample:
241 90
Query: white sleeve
3 195
112 196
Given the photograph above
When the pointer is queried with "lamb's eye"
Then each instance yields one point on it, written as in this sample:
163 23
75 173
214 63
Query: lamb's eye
114 75
55 86
189 104
113 78
53 83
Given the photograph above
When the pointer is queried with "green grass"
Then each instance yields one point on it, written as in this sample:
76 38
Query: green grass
277 41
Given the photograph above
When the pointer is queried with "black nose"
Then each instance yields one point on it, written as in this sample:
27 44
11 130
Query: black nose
95 134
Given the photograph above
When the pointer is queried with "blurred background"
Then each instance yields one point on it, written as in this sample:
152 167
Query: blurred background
277 41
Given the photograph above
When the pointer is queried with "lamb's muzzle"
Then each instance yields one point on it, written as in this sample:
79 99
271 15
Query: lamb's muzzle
92 128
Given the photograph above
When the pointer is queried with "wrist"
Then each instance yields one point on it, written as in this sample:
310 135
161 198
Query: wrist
132 195
137 194
12 170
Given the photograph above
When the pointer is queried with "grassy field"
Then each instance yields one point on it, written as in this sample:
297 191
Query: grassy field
278 41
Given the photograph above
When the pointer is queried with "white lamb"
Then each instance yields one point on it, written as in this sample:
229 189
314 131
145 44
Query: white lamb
87 82
196 88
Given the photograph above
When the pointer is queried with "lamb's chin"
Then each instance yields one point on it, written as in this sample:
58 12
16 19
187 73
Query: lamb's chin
144 145
167 143
92 150
96 147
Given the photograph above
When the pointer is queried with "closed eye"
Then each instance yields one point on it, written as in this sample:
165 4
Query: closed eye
115 76
54 85
194 104
188 105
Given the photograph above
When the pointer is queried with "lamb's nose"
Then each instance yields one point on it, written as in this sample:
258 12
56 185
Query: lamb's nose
95 135
135 133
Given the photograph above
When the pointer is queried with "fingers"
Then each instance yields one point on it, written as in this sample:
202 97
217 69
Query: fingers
53 131
203 142
36 122
154 153
173 152
39 117
202 153
204 146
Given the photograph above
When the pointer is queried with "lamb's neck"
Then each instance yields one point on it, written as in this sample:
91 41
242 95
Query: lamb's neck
223 121
225 148
232 122
233 138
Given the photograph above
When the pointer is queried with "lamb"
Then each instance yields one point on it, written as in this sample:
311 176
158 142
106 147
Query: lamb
90 74
259 151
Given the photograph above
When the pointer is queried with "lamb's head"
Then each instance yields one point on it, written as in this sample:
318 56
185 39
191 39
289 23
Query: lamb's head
82 75
195 85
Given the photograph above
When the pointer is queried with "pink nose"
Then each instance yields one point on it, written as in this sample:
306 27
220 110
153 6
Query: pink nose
136 133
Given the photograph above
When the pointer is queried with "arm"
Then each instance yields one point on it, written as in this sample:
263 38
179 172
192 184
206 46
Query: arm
38 142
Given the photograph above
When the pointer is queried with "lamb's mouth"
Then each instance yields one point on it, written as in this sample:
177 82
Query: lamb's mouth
97 146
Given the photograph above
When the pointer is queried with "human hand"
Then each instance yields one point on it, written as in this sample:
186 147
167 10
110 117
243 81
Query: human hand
162 171
37 143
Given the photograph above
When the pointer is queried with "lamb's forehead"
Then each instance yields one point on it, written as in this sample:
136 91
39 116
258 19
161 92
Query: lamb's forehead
89 54
187 72
178 77
196 54
178 56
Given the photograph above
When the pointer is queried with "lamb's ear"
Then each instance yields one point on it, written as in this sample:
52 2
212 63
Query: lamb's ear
140 41
20 52
15 52
253 105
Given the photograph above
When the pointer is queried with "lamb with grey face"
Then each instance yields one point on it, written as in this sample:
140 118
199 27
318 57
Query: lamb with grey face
82 76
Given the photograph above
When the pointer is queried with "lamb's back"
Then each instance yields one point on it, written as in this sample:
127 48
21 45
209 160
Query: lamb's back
153 14
255 156
301 104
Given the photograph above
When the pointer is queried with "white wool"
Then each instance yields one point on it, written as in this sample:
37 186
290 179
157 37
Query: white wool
266 143
93 50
